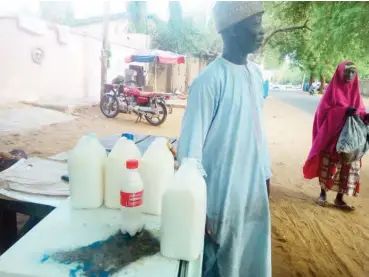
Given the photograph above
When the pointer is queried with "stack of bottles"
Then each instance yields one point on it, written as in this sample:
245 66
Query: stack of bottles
139 185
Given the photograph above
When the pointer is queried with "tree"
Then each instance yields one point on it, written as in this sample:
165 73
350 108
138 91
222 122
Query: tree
180 35
60 12
320 50
175 14
138 16
350 22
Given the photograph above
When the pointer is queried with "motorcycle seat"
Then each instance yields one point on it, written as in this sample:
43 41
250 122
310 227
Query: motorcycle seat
150 94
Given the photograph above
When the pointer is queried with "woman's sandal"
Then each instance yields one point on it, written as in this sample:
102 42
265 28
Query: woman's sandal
343 206
321 202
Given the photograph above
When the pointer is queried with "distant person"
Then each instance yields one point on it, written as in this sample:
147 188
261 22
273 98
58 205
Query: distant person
223 128
313 89
341 100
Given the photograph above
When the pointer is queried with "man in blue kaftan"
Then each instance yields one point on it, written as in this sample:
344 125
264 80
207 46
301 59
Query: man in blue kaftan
223 128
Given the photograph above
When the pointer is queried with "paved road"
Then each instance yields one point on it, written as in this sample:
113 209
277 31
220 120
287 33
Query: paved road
301 100
298 99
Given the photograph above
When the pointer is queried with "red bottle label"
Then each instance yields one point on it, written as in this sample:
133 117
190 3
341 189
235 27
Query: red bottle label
131 200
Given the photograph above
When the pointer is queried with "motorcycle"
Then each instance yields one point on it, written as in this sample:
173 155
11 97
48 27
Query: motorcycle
313 90
122 98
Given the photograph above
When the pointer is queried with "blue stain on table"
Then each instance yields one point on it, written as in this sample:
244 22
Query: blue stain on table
106 257
45 258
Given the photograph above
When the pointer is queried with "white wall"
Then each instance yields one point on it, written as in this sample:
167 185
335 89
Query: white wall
69 70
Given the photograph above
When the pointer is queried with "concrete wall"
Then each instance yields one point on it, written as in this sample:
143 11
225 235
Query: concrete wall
70 70
117 34
178 76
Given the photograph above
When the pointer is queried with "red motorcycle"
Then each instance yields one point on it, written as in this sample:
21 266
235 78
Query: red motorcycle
122 98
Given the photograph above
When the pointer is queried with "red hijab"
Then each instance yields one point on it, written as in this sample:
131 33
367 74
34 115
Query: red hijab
330 117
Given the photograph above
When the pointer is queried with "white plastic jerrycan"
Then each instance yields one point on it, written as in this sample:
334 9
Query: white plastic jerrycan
184 214
86 162
115 170
156 170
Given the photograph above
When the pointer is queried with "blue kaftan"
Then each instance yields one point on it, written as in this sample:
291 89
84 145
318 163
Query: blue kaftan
223 128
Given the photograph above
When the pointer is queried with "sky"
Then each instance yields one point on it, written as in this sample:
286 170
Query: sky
88 8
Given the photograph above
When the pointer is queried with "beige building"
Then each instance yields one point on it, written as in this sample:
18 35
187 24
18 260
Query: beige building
40 60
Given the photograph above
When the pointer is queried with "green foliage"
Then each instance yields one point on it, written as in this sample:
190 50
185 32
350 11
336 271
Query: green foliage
186 38
338 32
138 16
175 14
181 35
272 58
289 75
60 12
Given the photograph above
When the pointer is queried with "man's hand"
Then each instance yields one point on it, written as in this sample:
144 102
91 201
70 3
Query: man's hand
268 186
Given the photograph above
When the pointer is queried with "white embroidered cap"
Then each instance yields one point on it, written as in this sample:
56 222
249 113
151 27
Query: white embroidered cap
228 13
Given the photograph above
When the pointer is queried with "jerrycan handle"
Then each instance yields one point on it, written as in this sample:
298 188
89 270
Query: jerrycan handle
195 164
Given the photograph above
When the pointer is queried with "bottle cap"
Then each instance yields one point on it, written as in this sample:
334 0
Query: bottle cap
128 136
132 164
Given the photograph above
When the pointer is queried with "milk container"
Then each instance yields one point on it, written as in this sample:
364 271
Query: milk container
115 170
156 170
86 164
184 214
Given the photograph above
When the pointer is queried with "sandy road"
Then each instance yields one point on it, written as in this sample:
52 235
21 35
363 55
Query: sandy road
307 240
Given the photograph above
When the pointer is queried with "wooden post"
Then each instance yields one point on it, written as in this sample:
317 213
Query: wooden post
104 61
155 74
187 78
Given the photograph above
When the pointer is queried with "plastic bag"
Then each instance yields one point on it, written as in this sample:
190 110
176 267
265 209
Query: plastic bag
353 140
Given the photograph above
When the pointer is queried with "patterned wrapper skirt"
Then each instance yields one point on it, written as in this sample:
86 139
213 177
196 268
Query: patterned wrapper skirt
343 178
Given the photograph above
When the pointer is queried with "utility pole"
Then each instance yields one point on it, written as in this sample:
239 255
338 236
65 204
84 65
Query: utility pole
303 81
104 57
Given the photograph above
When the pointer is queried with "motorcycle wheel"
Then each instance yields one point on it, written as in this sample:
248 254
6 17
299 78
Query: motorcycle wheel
109 106
163 113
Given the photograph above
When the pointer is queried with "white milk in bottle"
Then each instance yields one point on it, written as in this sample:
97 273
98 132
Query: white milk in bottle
184 214
86 162
131 200
116 174
156 170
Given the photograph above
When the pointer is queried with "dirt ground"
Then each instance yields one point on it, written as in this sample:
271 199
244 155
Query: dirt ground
307 240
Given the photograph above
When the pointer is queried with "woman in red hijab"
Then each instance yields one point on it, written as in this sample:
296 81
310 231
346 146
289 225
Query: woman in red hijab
341 100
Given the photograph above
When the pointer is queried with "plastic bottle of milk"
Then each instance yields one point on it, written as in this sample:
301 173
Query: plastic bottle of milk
86 162
116 174
184 214
156 170
131 200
